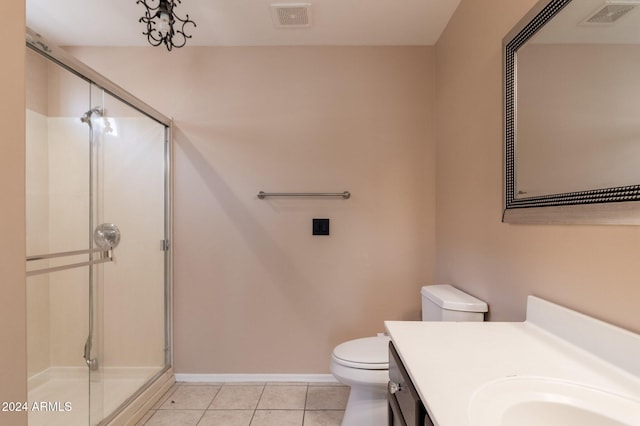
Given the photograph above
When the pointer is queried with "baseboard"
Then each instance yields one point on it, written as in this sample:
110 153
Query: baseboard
216 378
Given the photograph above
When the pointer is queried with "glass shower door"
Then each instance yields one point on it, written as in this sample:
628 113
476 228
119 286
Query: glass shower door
97 259
58 243
129 293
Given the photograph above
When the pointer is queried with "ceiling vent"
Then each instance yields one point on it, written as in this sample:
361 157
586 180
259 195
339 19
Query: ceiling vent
292 15
611 12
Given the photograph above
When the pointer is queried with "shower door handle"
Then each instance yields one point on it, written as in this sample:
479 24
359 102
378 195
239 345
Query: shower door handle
105 256
106 236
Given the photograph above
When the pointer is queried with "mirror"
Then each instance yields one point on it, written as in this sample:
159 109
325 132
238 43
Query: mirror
572 113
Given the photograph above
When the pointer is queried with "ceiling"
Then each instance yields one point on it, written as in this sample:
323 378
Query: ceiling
245 22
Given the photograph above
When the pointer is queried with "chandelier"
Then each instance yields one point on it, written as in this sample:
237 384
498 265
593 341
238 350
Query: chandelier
163 25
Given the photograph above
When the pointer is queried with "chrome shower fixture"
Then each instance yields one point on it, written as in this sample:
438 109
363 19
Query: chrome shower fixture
161 20
106 125
86 117
106 236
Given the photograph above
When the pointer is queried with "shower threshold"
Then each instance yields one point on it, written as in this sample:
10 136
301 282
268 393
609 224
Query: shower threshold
60 396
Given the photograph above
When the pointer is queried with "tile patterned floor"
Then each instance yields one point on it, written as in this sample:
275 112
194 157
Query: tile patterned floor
250 404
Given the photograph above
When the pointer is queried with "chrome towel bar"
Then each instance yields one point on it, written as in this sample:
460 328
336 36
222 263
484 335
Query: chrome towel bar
63 254
105 256
262 195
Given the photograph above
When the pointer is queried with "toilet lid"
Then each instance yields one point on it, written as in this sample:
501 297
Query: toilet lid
368 352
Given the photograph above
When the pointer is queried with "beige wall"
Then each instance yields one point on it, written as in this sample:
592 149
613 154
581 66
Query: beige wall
13 358
590 268
255 292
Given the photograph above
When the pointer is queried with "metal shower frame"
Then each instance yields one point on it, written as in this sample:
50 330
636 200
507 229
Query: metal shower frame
35 42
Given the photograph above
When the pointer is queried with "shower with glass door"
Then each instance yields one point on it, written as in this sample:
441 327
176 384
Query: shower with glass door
98 232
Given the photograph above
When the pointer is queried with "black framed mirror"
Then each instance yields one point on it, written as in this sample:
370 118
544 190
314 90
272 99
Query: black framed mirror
572 114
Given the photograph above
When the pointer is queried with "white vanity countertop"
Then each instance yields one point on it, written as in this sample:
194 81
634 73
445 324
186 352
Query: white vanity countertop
449 361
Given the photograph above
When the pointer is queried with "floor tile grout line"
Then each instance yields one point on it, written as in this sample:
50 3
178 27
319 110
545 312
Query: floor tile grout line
253 415
201 416
210 402
214 397
304 410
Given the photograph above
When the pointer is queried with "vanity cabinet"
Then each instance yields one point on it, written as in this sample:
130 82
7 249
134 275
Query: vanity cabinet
405 406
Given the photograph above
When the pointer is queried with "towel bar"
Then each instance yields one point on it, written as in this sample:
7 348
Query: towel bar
262 195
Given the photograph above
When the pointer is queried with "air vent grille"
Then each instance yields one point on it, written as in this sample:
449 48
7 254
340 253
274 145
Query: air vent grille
611 12
293 15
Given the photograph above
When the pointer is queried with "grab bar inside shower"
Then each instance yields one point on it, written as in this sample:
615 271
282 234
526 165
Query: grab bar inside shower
262 195
105 256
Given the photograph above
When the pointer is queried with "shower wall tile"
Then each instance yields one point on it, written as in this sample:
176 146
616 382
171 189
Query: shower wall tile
37 217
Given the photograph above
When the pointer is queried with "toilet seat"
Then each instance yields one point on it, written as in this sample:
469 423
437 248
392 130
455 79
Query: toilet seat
368 353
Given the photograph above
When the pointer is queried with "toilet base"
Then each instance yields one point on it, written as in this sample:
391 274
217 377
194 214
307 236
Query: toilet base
367 405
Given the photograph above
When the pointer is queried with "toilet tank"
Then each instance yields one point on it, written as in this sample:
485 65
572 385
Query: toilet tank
442 302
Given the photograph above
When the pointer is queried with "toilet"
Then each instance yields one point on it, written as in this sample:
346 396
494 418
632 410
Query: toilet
363 363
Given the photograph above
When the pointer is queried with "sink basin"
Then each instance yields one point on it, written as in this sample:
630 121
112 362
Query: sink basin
535 401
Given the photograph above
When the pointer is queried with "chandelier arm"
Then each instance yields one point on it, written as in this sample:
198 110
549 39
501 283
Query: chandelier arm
182 33
177 18
149 8
184 40
151 31
154 41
